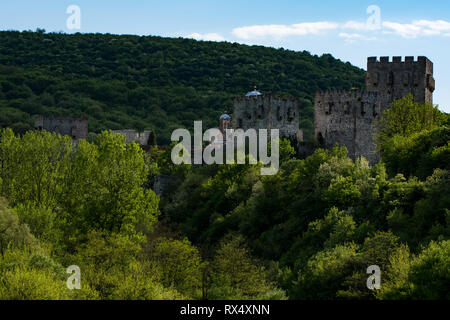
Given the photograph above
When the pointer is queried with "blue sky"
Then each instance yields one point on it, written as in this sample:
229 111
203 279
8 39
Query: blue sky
337 27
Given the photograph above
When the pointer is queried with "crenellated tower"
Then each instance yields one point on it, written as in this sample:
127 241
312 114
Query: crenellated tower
397 78
350 118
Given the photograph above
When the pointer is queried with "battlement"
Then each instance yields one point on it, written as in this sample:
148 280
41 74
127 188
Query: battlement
396 77
341 95
397 59
402 74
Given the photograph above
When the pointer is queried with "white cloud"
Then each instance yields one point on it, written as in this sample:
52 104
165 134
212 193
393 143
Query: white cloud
355 25
406 30
279 30
418 28
439 25
355 36
362 30
206 36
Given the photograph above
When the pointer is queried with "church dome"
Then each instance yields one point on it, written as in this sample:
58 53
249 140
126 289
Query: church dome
253 93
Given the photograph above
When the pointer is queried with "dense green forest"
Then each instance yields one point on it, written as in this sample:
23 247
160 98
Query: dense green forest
221 231
225 231
132 82
321 221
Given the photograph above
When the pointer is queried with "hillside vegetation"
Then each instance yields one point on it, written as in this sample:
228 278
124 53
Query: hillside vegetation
126 81
221 231
225 231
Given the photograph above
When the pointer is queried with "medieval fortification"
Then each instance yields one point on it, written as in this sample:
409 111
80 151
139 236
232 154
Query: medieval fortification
348 118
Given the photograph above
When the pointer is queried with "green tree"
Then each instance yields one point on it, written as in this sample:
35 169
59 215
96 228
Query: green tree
34 166
12 232
22 284
418 154
429 274
179 265
138 284
405 116
105 259
235 274
324 274
104 188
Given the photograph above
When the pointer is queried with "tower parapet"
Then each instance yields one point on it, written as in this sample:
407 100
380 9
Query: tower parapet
396 78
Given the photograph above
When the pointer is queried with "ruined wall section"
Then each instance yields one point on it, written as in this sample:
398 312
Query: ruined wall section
76 128
267 112
348 118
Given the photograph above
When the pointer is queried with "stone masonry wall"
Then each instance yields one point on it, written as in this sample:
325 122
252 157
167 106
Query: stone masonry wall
397 78
350 118
347 118
267 112
77 128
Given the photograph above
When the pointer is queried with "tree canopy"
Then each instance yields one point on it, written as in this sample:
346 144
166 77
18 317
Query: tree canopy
147 82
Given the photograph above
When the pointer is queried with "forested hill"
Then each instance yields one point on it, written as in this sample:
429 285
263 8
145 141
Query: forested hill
151 82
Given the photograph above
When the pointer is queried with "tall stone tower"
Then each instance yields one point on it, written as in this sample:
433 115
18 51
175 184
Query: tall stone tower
396 79
347 118
350 118
259 111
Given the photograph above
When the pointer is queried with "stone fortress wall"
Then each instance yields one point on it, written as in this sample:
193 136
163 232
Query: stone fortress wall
76 128
350 118
347 118
267 112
